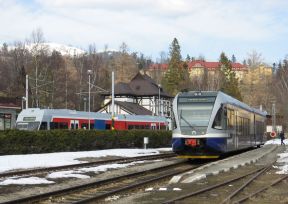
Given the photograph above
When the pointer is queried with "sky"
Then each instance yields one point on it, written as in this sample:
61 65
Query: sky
202 27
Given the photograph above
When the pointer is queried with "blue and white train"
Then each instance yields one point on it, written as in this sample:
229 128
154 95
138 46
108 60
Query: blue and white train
208 124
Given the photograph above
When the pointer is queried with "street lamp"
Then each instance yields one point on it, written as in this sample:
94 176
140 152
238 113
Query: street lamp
85 100
22 102
89 72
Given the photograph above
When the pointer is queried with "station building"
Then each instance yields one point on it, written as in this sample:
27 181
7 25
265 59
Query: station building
8 110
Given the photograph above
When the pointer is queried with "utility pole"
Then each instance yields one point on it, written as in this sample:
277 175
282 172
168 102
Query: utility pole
273 117
36 83
159 104
113 95
26 97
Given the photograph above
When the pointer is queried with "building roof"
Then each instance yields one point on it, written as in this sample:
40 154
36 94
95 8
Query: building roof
9 103
132 108
201 64
140 85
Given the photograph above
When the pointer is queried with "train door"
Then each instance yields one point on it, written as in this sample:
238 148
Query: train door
153 126
238 132
100 124
254 131
231 127
74 124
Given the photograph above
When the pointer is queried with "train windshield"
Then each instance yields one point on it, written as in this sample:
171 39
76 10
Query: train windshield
194 114
27 125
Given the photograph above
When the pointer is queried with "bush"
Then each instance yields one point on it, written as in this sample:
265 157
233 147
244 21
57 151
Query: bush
27 142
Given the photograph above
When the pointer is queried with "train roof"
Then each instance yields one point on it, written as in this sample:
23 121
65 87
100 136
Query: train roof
63 113
66 113
224 98
141 117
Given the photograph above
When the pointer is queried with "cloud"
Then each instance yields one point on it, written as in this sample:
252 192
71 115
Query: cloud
148 25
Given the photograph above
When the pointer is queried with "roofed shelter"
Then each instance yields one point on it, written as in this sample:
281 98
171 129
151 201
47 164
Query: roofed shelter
141 92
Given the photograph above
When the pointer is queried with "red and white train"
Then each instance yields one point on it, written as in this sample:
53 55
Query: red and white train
47 119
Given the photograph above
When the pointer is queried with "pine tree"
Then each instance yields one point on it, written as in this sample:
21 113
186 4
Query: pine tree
175 73
233 58
228 77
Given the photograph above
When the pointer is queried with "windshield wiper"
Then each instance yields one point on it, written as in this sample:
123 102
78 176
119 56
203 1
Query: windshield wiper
184 119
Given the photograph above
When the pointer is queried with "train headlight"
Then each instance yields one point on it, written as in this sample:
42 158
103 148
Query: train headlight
194 132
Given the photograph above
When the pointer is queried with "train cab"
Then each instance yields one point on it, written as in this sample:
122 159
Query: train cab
208 124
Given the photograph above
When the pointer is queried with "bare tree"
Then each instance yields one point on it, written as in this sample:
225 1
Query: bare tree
254 59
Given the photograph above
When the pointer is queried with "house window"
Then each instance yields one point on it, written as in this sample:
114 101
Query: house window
5 121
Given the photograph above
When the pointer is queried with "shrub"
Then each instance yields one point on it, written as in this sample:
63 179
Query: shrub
27 142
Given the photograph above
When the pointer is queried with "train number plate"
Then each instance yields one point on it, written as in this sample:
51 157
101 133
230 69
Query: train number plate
191 142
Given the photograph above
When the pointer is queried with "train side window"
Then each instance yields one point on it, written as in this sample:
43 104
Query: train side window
63 125
43 126
217 123
54 125
84 126
231 119
108 127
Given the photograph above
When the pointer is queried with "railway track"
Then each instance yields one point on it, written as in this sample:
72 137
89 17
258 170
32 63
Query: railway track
101 189
247 190
81 165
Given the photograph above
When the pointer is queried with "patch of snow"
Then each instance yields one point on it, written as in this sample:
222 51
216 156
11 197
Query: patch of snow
79 173
26 181
112 198
67 174
103 168
12 162
282 163
276 141
168 149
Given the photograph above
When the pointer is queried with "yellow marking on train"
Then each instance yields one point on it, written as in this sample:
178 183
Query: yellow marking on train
197 157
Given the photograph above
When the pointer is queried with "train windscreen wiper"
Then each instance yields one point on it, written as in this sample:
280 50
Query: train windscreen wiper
184 119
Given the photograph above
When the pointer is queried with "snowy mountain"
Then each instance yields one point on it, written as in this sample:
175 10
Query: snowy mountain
64 49
50 47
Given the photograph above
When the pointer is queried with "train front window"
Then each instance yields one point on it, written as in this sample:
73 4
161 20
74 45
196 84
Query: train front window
194 114
28 126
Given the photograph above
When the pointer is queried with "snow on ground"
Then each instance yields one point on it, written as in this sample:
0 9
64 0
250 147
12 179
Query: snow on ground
276 141
29 181
67 174
79 173
282 161
12 162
